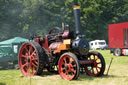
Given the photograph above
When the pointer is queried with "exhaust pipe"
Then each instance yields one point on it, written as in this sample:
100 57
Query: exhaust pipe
79 44
76 10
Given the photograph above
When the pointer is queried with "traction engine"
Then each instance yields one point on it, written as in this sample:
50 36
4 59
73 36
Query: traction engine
62 51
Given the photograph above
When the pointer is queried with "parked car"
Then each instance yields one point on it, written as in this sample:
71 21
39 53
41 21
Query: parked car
98 44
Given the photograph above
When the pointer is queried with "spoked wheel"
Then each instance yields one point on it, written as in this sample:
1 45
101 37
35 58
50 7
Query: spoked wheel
31 59
98 67
69 66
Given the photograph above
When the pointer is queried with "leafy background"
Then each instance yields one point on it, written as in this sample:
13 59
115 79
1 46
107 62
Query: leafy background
25 17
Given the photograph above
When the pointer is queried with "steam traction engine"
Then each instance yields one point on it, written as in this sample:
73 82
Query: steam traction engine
60 48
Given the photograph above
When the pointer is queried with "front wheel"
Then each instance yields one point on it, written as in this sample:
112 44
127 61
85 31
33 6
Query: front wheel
98 66
69 66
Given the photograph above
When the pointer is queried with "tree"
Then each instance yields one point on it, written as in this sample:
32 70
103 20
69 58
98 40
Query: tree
25 17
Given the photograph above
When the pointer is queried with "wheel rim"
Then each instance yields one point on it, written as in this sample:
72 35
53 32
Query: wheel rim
117 52
94 69
28 60
67 67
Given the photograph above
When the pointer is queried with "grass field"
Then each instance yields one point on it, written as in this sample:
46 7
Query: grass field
118 75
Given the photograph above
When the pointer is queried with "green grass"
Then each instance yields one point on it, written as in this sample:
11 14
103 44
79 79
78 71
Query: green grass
118 75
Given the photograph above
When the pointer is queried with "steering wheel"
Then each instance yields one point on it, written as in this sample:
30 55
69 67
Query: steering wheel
55 30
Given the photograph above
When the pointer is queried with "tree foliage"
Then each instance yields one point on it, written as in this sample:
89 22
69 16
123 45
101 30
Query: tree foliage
25 17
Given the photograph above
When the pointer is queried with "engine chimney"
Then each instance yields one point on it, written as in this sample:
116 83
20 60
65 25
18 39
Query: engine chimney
79 44
76 10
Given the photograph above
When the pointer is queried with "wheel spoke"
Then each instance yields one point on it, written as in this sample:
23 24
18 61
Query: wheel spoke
97 70
26 49
36 62
67 73
24 56
72 70
30 50
99 63
94 57
27 69
73 65
97 58
25 64
65 60
70 62
93 70
63 68
34 65
33 53
32 69
34 59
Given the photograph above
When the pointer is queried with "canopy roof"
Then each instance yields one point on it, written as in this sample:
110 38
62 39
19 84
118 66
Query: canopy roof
13 40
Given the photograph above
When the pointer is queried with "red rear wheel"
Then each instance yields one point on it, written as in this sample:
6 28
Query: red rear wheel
69 66
98 67
30 59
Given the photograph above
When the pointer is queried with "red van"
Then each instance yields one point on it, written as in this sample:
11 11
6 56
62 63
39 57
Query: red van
118 38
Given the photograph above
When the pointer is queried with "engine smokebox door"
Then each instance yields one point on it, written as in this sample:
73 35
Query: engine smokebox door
81 45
